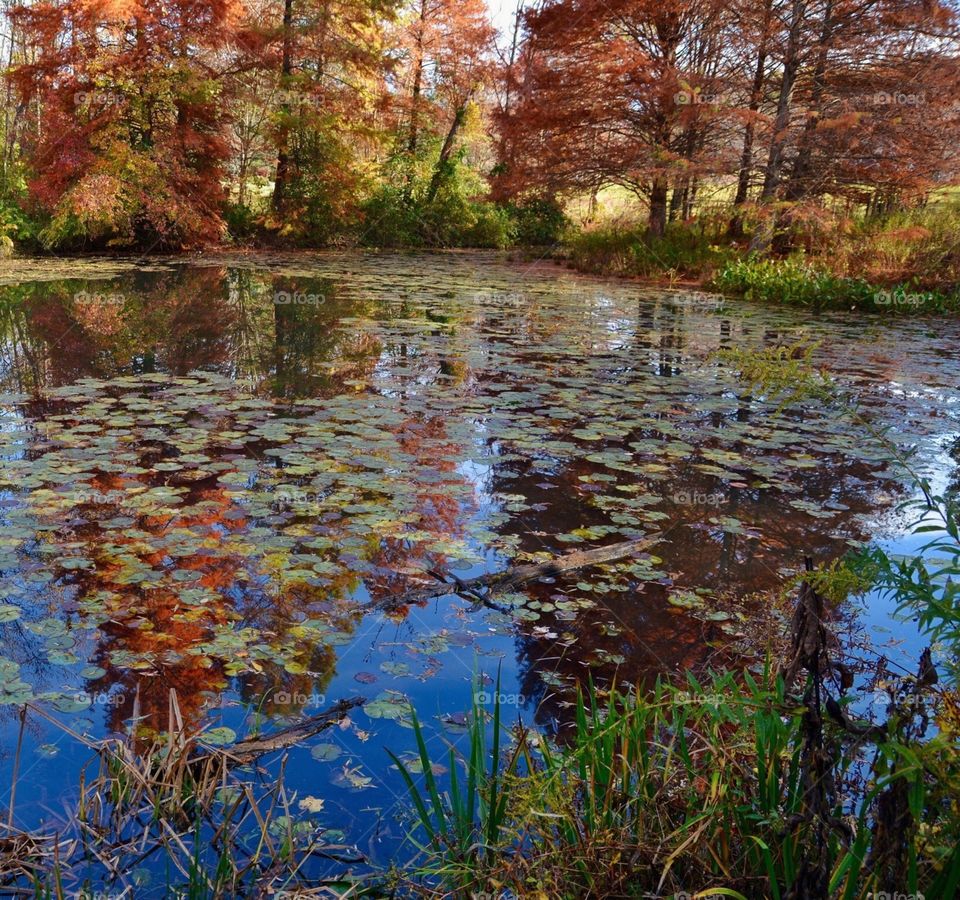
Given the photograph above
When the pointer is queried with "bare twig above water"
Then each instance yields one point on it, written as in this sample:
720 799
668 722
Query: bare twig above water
498 581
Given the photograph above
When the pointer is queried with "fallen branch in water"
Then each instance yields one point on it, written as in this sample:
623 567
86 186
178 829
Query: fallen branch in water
498 581
252 747
242 751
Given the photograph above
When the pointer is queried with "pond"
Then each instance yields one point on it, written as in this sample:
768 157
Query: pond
217 472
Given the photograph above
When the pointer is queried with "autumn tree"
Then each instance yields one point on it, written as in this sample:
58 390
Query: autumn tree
127 142
792 100
862 94
329 61
885 69
626 93
444 55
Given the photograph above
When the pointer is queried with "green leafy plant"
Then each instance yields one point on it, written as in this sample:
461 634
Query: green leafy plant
799 282
464 825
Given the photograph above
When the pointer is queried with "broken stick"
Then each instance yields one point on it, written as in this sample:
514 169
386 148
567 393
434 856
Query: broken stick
250 748
498 581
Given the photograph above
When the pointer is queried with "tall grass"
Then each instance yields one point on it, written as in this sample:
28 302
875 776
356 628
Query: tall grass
683 252
700 792
464 826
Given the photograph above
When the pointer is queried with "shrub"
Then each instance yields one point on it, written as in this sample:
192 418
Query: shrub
390 219
494 227
539 221
242 221
916 246
396 217
18 230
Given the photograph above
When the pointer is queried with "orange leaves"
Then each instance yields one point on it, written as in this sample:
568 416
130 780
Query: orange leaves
129 144
112 10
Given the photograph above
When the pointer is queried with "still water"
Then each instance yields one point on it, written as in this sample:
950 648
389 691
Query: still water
216 473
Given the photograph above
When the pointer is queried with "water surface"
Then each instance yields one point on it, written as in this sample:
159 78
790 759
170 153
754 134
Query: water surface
214 473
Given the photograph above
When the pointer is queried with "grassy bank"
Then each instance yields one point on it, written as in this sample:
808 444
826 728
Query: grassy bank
799 282
731 786
906 263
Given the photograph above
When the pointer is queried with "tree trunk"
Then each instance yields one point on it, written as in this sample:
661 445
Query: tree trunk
791 68
502 150
8 124
446 151
678 200
690 198
797 186
735 229
283 137
478 588
657 223
417 87
778 141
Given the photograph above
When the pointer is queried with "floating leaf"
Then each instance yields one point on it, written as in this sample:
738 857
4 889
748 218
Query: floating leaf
326 752
219 737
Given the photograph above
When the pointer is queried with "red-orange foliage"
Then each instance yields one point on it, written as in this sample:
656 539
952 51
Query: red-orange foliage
795 99
623 92
128 145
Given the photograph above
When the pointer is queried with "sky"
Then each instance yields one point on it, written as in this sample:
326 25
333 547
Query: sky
502 12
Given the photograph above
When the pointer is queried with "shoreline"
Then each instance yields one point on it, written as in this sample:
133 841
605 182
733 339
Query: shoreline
16 270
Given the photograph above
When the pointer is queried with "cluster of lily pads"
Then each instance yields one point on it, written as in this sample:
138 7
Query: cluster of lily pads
165 519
